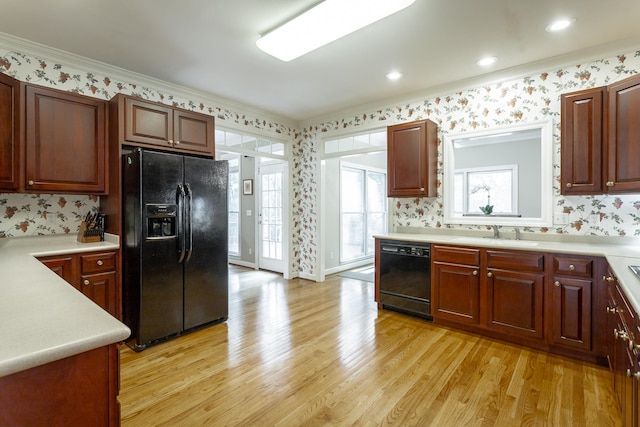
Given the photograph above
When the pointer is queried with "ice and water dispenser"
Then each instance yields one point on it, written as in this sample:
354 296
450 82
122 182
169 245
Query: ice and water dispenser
161 221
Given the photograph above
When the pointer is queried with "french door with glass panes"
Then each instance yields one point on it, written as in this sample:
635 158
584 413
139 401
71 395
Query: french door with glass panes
271 217
363 210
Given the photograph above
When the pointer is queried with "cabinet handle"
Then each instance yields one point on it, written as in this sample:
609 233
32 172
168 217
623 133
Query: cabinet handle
621 334
610 183
572 267
609 279
635 375
611 310
475 272
569 185
557 284
422 189
177 143
170 142
489 274
100 262
86 282
31 182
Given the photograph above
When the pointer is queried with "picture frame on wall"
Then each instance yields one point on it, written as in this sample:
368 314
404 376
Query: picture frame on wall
247 187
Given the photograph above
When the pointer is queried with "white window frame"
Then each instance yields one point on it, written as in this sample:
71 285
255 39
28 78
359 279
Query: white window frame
513 169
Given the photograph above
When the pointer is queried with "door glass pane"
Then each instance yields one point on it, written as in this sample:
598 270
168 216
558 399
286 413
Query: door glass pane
234 212
352 239
271 215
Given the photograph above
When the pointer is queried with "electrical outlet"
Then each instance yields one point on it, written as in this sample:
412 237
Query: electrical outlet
330 255
250 251
51 218
594 219
560 218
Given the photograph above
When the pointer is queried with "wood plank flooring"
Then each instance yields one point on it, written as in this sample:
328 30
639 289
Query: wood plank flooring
299 353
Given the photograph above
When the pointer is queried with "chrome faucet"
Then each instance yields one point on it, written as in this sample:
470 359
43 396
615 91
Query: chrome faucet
517 233
496 232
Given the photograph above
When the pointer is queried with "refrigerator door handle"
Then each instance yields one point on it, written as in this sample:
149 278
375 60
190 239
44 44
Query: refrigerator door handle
180 199
189 229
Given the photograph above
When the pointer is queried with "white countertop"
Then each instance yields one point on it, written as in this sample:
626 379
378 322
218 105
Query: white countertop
619 256
42 317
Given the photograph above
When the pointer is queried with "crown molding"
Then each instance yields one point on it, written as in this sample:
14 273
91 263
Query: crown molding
52 54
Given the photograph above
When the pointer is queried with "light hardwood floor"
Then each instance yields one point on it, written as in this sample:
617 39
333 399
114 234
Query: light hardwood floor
297 353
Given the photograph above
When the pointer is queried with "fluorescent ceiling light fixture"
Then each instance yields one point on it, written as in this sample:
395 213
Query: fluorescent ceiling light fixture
485 62
395 75
559 25
324 23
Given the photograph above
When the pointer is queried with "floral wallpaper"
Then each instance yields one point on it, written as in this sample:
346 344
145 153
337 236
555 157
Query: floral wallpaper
37 214
524 99
63 76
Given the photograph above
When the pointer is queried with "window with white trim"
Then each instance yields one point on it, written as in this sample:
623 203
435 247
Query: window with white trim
488 190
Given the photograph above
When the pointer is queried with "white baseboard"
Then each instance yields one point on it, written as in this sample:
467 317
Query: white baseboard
243 263
345 267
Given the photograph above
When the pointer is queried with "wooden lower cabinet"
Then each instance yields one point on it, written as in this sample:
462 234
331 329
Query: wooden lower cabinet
93 274
575 297
455 284
552 302
623 350
514 303
80 390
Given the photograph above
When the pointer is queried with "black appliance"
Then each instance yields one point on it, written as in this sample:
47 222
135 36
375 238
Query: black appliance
175 271
405 277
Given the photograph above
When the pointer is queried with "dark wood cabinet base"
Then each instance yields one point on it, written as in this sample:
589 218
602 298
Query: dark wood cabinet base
80 390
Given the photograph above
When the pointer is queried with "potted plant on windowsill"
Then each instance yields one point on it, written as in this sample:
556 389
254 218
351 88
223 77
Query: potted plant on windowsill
488 208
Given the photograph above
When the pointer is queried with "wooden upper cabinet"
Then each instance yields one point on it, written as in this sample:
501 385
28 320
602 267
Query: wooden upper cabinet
623 142
161 126
600 134
582 129
65 142
9 133
148 123
412 159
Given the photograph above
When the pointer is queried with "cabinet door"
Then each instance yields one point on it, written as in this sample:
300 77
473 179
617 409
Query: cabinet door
101 289
9 133
148 123
623 149
65 144
193 132
571 313
64 266
412 159
514 302
455 293
582 131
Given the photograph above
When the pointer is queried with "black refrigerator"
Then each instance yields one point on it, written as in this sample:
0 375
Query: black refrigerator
175 271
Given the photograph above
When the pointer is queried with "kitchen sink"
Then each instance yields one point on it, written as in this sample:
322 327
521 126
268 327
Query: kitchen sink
495 242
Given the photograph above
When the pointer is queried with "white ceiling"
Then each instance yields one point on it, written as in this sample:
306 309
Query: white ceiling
209 45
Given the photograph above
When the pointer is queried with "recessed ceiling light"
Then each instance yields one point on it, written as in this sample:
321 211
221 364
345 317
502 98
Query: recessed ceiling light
560 25
485 62
324 23
394 75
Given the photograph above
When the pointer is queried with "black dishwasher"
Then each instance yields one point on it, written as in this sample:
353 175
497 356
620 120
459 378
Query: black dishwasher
405 277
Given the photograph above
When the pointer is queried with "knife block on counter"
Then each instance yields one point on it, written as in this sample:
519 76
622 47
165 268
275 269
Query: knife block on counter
87 235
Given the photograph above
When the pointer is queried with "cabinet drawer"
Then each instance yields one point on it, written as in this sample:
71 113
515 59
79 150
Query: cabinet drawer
515 260
97 263
455 255
573 266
